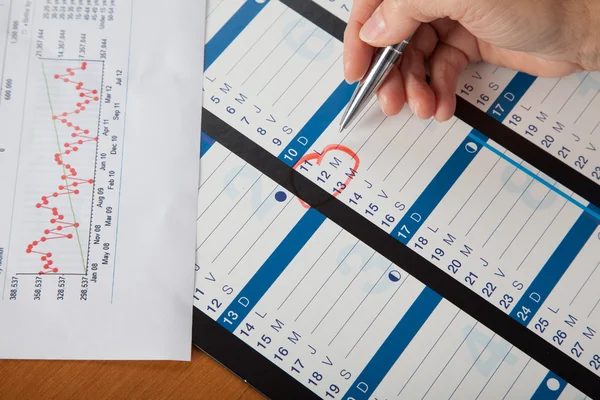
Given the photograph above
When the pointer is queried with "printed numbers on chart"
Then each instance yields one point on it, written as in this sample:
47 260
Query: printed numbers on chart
541 325
559 337
60 292
333 390
14 288
264 341
297 366
315 378
37 291
523 313
214 303
281 353
595 362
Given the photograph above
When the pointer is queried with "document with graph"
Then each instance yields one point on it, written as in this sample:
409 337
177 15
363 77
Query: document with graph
99 150
401 258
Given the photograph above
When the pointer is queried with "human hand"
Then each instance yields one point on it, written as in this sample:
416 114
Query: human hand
546 38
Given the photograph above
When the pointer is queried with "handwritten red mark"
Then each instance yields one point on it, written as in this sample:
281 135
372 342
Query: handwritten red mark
318 157
60 226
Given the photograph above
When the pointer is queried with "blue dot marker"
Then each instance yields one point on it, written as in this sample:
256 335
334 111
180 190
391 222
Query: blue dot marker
280 196
394 276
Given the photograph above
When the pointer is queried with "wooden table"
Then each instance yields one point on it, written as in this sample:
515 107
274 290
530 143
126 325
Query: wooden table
202 378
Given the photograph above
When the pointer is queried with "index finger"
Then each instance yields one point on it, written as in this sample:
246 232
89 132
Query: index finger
358 54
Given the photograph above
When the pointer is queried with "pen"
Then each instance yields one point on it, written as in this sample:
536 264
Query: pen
384 60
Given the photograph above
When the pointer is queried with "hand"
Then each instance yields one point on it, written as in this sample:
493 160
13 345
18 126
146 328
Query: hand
549 38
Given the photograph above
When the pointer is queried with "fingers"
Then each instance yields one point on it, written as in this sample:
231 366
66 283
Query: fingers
408 82
446 64
357 54
395 20
391 94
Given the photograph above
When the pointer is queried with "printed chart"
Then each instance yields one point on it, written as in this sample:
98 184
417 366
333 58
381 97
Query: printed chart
61 162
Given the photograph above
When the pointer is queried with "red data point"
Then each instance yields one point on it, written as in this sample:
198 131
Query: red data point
54 117
76 191
81 94
73 134
43 239
38 205
76 111
48 254
70 236
96 98
77 128
54 194
75 184
46 266
66 79
53 221
35 243
90 181
28 251
76 224
67 144
83 108
94 91
59 228
54 269
61 217
68 166
56 76
43 258
69 70
86 131
70 124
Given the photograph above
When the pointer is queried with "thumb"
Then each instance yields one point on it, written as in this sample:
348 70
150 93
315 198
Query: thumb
395 20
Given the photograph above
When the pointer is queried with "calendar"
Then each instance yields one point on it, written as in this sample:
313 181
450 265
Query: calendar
402 258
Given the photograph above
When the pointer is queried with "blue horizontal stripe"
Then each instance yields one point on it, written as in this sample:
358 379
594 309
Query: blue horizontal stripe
544 182
317 124
206 143
554 269
231 30
395 344
268 273
509 98
436 190
545 390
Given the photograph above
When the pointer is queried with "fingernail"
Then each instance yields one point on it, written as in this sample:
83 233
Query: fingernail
346 69
373 28
411 105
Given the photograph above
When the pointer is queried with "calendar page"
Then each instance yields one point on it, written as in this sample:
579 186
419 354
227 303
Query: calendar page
401 258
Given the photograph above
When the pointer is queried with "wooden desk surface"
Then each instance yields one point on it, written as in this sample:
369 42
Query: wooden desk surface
202 378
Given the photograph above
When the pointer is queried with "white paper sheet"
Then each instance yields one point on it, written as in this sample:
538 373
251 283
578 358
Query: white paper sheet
97 236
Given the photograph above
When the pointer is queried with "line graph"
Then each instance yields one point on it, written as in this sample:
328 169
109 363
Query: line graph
62 228
57 199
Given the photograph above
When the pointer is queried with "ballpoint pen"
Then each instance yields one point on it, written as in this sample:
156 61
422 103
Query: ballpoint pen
383 62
